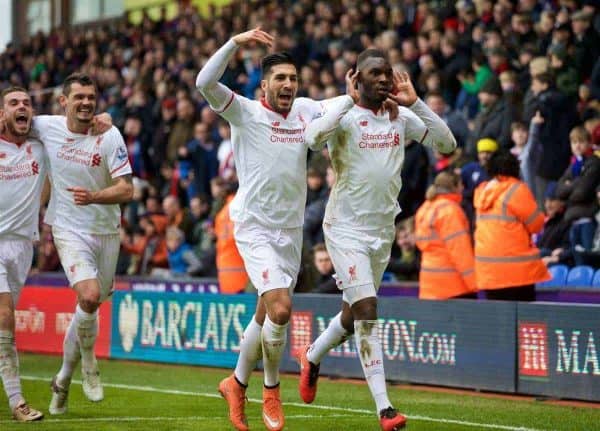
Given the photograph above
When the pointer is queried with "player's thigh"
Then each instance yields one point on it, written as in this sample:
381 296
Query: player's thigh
380 259
270 258
15 263
77 255
107 254
349 255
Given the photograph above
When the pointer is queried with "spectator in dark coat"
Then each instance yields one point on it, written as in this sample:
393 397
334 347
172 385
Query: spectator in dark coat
494 119
552 147
456 122
324 283
555 233
415 177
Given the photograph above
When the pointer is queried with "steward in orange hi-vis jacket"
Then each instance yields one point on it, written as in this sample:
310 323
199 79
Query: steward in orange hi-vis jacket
507 264
443 236
230 265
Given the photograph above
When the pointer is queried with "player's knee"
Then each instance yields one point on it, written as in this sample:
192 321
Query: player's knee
280 313
365 309
89 301
6 317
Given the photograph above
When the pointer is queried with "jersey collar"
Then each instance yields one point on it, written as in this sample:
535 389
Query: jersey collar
376 113
264 103
18 144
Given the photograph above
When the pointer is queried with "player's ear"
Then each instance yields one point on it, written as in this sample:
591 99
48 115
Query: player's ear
62 99
263 85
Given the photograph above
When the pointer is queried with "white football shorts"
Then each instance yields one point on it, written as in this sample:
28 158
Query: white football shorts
85 256
16 255
359 258
271 256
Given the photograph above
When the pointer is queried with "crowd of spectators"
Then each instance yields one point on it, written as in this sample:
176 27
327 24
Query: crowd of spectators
519 75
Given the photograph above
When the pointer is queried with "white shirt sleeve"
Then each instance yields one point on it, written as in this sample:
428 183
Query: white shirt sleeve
40 125
221 99
321 129
115 153
429 129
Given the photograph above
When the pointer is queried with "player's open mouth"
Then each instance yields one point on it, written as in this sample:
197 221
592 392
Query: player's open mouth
22 119
285 98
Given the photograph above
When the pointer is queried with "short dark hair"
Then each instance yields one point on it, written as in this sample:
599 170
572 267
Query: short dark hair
79 78
369 53
271 60
319 247
8 90
503 162
544 78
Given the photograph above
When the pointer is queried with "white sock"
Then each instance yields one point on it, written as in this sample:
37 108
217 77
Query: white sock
9 368
333 336
370 354
87 329
274 337
250 352
71 354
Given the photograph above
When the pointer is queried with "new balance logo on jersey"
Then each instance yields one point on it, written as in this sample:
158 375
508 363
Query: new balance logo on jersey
265 276
99 140
275 123
2 156
29 151
35 168
364 123
96 159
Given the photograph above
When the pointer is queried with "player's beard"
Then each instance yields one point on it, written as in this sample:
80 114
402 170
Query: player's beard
13 130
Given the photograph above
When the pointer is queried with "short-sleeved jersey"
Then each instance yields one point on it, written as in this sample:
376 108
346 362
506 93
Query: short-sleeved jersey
78 160
367 152
270 157
22 174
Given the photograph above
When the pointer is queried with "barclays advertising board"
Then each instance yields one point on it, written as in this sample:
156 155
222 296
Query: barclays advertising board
188 329
558 355
450 343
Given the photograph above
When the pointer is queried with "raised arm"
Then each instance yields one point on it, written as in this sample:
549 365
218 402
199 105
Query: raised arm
207 81
435 132
321 129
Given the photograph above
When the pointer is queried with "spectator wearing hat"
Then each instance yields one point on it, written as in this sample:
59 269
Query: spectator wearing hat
494 118
507 264
567 78
474 173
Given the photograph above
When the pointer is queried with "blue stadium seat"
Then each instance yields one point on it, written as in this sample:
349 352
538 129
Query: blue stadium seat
580 276
596 280
559 276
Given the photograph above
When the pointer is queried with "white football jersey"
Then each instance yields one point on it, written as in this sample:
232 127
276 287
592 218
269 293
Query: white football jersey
367 152
22 174
78 160
270 154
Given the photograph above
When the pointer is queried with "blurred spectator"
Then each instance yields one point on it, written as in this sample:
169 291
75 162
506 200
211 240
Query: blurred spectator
314 213
202 152
316 186
149 248
225 153
565 75
137 147
182 259
178 217
577 187
405 257
552 148
474 173
587 43
454 119
472 84
230 265
494 118
443 236
46 255
183 128
554 237
415 177
325 282
507 264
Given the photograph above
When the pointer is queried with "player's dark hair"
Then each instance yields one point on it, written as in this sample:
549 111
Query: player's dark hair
8 90
503 163
77 78
273 60
369 53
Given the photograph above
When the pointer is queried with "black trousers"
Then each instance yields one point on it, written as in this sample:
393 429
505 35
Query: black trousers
518 293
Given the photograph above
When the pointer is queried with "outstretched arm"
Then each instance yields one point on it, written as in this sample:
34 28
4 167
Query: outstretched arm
321 129
207 81
435 133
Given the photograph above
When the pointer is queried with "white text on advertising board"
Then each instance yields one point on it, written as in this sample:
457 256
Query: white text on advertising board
402 341
188 325
569 356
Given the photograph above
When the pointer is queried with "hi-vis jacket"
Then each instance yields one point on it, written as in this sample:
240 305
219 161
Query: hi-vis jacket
230 266
507 216
442 235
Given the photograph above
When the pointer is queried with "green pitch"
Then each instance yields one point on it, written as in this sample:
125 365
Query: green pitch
144 396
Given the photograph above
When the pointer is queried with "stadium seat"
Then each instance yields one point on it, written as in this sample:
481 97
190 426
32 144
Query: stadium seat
580 276
596 280
559 276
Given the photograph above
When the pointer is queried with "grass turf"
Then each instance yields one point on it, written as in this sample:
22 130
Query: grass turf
142 396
